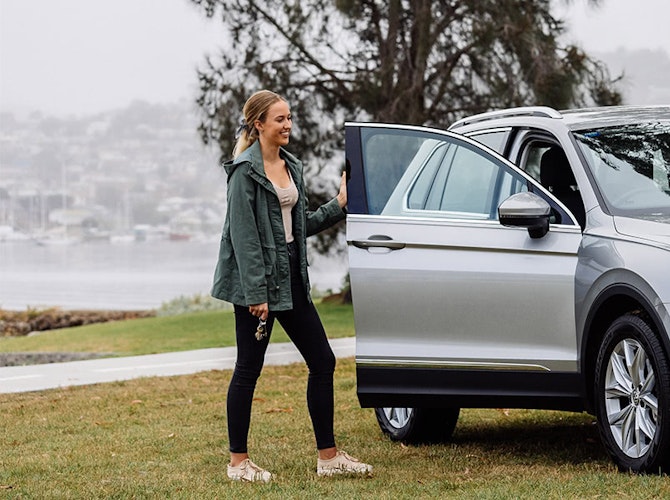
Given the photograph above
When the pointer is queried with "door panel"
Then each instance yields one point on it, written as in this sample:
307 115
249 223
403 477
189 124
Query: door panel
436 280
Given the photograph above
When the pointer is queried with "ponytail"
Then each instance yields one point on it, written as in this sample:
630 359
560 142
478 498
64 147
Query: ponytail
254 109
245 139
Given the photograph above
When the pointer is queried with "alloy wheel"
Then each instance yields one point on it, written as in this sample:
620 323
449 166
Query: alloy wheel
398 417
631 402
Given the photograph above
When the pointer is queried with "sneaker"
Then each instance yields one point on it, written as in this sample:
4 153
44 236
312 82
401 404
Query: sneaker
248 471
342 464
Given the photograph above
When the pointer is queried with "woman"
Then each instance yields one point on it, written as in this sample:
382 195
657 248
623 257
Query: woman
262 270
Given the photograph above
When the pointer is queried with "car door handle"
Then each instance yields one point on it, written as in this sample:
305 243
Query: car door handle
379 241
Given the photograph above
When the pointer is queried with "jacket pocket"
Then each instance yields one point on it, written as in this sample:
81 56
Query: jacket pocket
271 273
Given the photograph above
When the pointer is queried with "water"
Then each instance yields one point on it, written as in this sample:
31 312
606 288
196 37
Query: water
133 276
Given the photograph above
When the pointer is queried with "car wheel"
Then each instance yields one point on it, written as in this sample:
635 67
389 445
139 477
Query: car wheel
632 384
418 425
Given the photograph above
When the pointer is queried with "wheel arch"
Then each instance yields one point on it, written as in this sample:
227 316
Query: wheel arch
613 302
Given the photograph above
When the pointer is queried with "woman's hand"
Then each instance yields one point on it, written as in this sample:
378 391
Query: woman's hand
260 310
342 195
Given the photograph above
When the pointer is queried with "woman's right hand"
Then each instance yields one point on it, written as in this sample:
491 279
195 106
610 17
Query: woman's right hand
260 310
342 195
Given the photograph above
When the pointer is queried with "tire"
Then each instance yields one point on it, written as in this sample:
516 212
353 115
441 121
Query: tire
418 425
632 396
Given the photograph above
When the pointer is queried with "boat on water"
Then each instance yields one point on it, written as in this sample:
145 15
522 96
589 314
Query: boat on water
50 240
8 233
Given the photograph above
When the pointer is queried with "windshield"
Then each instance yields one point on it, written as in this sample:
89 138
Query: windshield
631 165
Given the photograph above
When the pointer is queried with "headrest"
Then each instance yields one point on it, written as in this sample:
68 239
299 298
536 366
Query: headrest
555 171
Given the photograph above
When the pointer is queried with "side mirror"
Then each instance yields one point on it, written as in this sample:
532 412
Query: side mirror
526 210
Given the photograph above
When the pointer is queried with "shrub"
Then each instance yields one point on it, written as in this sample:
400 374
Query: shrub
195 303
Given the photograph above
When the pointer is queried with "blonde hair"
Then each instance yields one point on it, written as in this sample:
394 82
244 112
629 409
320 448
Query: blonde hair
254 109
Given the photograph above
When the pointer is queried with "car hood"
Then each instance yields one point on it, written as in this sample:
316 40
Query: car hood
652 229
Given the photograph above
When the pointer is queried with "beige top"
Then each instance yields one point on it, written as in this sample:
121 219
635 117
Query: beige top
288 197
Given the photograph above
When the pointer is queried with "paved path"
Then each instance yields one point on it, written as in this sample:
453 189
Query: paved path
50 376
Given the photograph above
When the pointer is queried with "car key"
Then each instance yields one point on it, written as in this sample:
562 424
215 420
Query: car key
261 331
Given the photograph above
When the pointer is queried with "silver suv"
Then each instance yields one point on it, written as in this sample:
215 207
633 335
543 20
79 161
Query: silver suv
519 260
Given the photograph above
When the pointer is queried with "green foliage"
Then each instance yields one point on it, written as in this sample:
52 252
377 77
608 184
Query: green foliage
414 62
194 303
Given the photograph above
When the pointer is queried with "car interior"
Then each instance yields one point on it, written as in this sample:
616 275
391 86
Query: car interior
556 175
547 163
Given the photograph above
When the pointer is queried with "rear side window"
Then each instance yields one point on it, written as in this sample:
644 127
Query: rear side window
463 184
495 139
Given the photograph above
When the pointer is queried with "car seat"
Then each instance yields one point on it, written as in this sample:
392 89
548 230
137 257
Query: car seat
556 175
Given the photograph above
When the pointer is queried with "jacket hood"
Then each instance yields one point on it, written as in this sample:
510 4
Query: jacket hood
250 155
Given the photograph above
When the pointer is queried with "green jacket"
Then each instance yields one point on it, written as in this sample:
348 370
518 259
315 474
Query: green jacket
253 264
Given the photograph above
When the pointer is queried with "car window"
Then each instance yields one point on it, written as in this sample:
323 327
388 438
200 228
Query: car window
495 139
530 160
427 181
467 184
387 154
631 166
452 178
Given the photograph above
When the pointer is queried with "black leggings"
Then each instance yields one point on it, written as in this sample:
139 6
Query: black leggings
304 328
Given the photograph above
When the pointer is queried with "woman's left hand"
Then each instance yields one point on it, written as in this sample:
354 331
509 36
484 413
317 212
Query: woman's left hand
342 195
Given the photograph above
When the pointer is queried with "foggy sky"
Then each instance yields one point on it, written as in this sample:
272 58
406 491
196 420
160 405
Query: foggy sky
84 56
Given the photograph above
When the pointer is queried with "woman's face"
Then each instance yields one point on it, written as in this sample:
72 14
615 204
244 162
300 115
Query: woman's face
276 128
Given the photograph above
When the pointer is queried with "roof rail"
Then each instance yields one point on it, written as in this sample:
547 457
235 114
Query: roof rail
542 111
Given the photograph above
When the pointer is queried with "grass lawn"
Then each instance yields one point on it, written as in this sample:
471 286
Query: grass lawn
165 438
164 334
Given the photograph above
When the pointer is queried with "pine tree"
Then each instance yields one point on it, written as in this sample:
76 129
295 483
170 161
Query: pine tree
425 62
